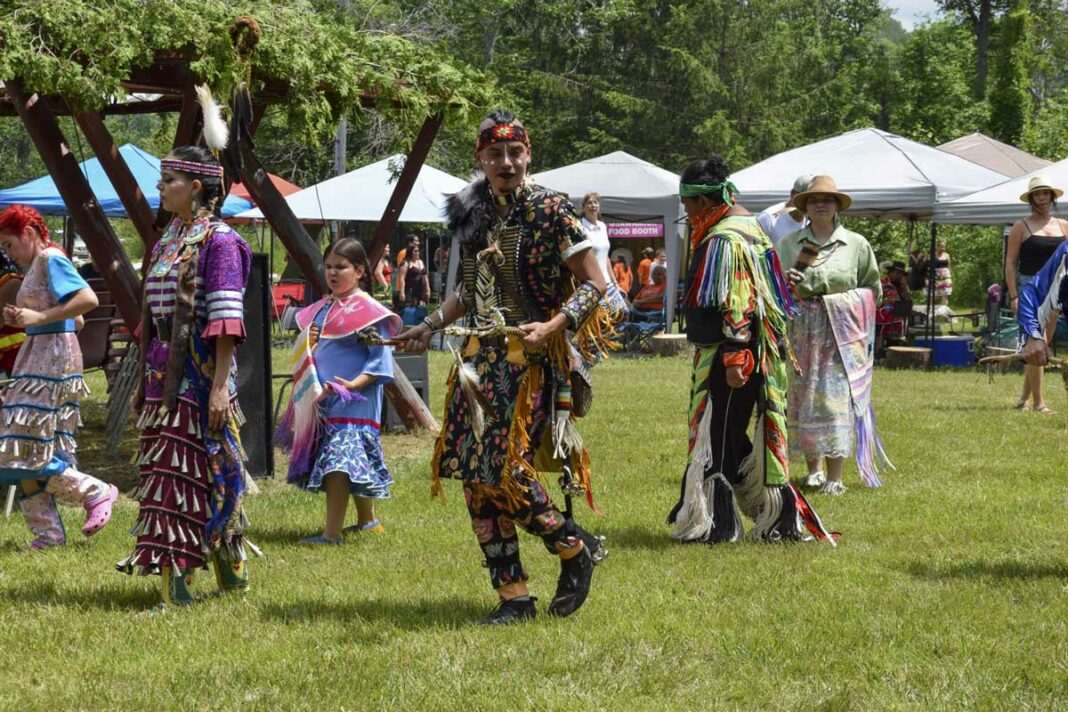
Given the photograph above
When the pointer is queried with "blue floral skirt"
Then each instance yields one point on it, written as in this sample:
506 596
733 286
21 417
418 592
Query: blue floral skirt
357 453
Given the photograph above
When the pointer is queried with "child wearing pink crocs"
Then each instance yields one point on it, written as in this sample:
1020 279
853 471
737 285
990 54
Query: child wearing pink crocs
39 414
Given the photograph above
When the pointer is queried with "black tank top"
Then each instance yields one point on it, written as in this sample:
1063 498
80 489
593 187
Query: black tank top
1036 250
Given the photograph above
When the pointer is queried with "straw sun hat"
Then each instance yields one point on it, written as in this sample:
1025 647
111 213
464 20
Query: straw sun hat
822 185
1039 183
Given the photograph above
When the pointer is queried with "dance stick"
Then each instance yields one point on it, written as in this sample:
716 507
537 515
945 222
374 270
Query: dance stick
806 256
1053 361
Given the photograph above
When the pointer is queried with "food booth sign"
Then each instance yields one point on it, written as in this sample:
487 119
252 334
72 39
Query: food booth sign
644 231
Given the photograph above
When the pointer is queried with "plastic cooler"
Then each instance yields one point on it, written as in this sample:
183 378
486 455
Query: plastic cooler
950 350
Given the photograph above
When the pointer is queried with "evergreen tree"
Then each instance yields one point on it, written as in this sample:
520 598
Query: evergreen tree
1010 100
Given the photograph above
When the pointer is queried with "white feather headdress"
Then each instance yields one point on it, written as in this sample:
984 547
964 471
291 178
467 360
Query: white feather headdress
215 131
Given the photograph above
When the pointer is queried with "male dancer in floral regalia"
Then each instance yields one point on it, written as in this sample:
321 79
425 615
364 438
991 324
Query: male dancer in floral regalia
508 409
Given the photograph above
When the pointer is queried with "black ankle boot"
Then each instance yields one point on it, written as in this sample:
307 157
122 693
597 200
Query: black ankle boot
514 610
593 543
573 585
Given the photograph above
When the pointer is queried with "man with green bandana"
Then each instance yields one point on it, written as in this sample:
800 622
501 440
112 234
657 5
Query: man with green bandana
737 304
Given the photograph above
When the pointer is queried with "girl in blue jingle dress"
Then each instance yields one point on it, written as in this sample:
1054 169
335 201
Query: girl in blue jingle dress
332 423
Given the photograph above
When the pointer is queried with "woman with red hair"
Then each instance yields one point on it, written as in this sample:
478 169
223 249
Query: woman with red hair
40 409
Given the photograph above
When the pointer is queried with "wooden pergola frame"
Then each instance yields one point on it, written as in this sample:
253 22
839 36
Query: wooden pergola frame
171 84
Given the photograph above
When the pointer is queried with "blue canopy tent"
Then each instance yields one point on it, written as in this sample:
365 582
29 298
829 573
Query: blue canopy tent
42 194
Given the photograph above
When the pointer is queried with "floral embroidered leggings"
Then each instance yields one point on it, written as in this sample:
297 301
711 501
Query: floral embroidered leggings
494 521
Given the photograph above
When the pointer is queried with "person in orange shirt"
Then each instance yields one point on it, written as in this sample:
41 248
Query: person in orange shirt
624 277
651 296
644 265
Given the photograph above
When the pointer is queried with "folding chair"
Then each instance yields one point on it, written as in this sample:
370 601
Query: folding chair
641 327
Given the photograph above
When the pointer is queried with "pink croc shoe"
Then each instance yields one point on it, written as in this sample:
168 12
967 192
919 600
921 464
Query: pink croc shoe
98 512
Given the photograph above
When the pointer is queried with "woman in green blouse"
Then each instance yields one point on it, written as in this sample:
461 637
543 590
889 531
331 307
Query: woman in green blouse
836 281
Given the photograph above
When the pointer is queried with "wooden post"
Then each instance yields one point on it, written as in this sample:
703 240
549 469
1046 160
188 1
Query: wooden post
303 250
190 123
103 145
186 134
403 188
103 244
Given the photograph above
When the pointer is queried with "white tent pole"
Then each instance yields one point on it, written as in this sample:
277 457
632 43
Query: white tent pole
450 275
674 260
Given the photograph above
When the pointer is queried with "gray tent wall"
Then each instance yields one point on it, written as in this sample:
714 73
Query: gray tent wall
665 209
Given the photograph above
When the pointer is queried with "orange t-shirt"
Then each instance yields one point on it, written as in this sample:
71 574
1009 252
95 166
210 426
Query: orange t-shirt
652 290
643 271
623 277
401 255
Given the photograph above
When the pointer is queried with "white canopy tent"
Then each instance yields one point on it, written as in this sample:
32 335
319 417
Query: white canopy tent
995 155
886 175
363 194
630 189
1000 204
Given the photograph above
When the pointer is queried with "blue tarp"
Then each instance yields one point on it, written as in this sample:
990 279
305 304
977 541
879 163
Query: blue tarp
42 194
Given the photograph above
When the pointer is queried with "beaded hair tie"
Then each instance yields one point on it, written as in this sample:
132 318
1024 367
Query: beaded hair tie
203 169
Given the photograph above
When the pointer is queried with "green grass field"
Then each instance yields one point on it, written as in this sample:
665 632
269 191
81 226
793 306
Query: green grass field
948 590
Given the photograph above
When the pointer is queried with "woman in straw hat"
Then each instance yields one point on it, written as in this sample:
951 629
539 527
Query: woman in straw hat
1032 242
836 280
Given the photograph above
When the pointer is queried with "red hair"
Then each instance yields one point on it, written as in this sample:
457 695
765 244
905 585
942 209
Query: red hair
16 218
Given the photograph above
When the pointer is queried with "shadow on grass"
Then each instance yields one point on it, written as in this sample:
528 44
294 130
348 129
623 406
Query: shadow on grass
109 598
637 538
283 536
979 569
416 615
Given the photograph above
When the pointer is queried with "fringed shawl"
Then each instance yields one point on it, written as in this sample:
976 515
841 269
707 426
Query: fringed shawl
852 318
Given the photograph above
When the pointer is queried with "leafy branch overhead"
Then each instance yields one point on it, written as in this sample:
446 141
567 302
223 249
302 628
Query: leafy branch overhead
86 50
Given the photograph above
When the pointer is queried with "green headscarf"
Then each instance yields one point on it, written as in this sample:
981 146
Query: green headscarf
726 190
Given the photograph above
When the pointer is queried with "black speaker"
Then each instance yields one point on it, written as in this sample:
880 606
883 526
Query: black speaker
254 372
416 368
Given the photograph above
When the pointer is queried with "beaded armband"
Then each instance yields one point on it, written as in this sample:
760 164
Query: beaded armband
581 304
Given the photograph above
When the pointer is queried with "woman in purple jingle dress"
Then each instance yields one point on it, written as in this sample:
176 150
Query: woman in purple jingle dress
192 478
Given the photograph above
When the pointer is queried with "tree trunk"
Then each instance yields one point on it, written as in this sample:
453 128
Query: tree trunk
982 47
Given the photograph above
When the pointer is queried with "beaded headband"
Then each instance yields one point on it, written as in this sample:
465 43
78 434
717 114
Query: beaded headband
502 132
203 169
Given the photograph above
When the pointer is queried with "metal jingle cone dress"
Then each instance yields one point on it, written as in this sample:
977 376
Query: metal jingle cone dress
40 415
737 304
192 479
507 411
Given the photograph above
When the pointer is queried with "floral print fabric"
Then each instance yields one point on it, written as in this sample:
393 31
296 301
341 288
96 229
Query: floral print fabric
819 402
494 522
357 453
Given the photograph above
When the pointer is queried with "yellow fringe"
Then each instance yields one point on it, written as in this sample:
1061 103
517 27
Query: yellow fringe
580 469
436 490
519 439
558 352
597 334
